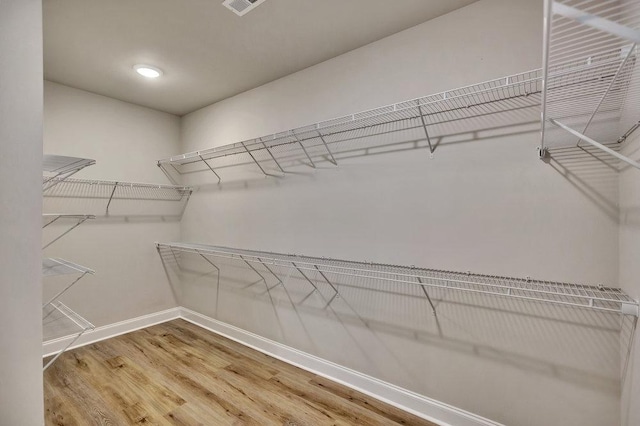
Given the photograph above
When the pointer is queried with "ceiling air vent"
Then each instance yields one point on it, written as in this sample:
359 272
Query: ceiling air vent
241 7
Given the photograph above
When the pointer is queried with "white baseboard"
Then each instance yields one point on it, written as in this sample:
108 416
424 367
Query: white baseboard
112 330
430 409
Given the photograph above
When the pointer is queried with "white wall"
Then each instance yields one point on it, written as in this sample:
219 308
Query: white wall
630 271
20 210
123 139
488 206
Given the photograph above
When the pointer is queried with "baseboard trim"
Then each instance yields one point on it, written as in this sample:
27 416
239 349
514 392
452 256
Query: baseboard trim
427 408
112 330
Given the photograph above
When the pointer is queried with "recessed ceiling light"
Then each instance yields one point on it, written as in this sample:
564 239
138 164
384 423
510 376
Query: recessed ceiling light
148 71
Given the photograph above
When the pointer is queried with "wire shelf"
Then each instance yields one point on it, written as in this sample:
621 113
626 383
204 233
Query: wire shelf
584 296
49 219
54 266
59 321
321 141
116 190
591 77
57 168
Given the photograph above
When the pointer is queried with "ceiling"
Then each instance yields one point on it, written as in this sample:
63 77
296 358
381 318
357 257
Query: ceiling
208 53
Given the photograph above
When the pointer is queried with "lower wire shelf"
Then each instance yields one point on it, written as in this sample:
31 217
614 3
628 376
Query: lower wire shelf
59 321
334 271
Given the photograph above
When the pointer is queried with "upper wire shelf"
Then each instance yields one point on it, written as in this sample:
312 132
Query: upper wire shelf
590 49
59 321
57 168
324 139
598 298
117 190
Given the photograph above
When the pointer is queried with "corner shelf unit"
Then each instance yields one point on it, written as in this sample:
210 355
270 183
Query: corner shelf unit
321 141
327 271
59 321
56 168
117 190
591 49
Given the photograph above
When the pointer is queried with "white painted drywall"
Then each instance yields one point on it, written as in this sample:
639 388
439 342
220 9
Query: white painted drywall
20 212
121 137
488 206
630 272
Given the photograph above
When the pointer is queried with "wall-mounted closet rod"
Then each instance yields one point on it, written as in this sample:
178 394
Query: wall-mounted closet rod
591 297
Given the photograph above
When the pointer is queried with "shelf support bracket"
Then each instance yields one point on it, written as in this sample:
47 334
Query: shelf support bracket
210 168
629 132
303 149
115 186
254 158
61 292
305 277
424 126
254 269
326 279
606 92
273 157
427 294
270 271
321 136
597 144
63 350
80 222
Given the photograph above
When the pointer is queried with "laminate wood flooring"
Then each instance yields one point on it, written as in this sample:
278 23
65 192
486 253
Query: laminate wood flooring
177 373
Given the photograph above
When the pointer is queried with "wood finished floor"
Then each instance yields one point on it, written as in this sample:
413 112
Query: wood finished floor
177 373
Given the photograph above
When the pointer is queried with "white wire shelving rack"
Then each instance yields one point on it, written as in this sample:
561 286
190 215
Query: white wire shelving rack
590 75
118 190
598 298
55 267
77 220
60 321
56 168
321 141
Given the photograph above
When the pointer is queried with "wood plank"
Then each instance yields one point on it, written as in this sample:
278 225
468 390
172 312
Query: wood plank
177 373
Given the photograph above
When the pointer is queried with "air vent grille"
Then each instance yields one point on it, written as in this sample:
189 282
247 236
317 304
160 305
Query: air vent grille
242 7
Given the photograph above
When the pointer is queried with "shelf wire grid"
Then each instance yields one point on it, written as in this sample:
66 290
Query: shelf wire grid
593 81
103 189
55 266
378 276
59 321
126 192
323 140
56 168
